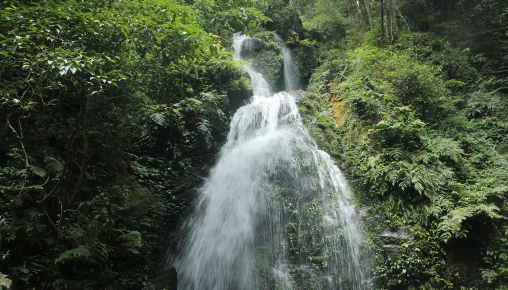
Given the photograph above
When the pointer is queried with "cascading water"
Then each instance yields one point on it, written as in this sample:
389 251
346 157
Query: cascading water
259 84
275 212
291 75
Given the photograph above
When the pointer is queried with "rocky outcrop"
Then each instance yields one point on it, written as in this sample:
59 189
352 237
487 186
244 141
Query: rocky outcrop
389 237
397 235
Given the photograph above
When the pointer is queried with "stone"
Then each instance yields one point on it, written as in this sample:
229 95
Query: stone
365 211
250 47
398 235
391 248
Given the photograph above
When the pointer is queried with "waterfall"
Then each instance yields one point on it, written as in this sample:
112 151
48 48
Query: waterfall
291 75
259 84
275 212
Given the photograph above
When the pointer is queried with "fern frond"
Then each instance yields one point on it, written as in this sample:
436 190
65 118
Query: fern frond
159 119
451 224
82 252
37 171
447 147
394 153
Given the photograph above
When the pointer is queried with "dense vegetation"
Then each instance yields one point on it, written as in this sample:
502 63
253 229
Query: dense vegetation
419 110
112 111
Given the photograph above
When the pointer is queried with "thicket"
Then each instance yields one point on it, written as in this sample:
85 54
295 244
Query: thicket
412 101
110 111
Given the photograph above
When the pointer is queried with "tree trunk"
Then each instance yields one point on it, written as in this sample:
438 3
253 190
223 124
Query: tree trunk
364 6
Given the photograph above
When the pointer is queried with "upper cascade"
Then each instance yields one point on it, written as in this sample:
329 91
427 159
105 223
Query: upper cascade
259 84
291 74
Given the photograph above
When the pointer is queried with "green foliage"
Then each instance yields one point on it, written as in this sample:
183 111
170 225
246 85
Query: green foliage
426 158
110 111
224 18
418 262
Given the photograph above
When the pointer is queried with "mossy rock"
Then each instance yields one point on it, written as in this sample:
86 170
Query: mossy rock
250 47
166 279
269 61
318 119
306 60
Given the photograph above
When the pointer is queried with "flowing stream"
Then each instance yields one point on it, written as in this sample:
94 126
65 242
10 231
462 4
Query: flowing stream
275 212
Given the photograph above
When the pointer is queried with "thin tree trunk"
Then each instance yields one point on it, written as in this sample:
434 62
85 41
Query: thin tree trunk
369 13
391 18
381 44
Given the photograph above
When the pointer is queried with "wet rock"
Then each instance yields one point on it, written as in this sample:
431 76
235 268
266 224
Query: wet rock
366 214
376 218
299 95
251 46
365 211
398 235
391 248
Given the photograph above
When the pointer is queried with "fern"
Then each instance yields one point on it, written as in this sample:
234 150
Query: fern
447 147
81 252
37 171
133 241
394 153
440 204
451 224
159 119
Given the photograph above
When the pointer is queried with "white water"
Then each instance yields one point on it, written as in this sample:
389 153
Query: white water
275 212
291 75
259 84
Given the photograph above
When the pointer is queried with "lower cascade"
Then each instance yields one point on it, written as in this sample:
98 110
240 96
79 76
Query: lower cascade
274 213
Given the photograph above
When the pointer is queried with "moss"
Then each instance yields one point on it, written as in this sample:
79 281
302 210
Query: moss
317 117
306 60
269 60
502 149
340 109
270 63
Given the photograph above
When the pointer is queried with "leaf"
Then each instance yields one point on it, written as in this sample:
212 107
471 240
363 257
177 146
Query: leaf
82 252
4 281
38 171
132 241
451 224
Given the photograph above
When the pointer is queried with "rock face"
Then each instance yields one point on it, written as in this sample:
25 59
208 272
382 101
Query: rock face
398 235
389 237
250 47
391 248
299 95
365 211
